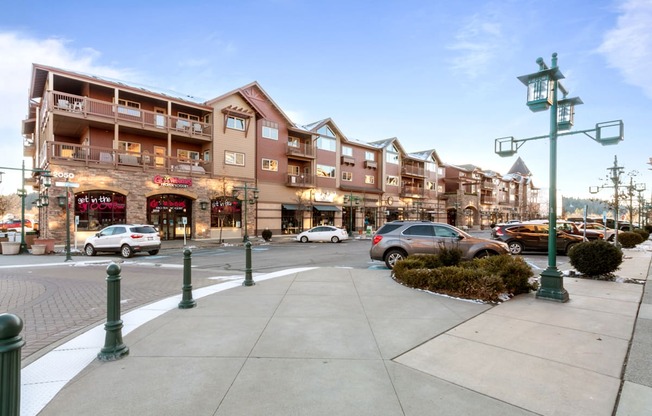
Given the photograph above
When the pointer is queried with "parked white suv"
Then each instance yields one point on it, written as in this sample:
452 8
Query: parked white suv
125 239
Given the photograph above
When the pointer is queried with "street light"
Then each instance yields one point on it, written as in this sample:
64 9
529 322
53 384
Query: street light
243 191
542 95
351 199
23 193
616 171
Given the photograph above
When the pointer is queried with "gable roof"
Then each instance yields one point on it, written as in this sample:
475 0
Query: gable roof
426 155
520 168
313 127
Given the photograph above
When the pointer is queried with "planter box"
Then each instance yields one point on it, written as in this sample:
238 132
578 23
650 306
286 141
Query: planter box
48 242
10 248
38 249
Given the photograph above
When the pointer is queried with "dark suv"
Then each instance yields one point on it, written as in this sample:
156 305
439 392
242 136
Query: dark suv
396 240
533 237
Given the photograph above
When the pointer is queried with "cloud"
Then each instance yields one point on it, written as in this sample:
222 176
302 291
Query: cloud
18 53
628 46
476 45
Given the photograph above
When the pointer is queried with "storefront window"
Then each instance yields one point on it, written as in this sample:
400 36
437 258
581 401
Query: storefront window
225 212
98 209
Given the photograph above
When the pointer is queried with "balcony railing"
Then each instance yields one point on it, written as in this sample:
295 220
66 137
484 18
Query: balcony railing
103 157
412 191
305 181
301 150
413 170
84 107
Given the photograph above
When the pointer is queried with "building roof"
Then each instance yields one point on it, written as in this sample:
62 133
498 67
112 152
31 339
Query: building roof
520 168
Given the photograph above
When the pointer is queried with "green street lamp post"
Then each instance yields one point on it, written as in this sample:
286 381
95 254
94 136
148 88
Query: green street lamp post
243 191
45 178
351 199
542 95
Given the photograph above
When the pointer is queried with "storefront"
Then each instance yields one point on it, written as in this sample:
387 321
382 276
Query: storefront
226 212
171 214
324 214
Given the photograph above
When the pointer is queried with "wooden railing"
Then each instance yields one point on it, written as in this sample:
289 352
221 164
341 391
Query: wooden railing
85 106
111 158
304 181
303 150
413 170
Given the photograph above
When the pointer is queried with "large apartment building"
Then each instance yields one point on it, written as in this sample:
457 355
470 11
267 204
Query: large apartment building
137 155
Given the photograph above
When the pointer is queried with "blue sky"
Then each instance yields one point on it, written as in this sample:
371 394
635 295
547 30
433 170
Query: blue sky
435 74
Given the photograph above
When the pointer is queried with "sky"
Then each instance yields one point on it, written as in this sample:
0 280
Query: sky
435 74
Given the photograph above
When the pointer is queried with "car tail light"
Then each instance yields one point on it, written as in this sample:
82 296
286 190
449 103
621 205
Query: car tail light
499 232
136 236
376 239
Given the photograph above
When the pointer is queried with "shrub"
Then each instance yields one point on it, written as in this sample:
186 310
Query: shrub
643 233
629 239
487 278
595 258
648 228
267 234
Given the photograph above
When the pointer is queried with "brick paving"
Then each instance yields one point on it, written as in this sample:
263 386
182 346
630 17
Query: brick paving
58 301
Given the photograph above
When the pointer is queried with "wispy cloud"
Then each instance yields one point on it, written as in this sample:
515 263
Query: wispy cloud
476 45
20 52
628 46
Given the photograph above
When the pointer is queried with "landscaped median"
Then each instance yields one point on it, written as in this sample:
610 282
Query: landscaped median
489 279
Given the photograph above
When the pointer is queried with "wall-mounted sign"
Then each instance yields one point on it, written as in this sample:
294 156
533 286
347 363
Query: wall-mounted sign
325 196
173 182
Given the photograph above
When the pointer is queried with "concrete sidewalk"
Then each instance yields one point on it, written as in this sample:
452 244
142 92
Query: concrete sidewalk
333 341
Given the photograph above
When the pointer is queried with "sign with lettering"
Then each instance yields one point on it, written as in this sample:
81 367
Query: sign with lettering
173 182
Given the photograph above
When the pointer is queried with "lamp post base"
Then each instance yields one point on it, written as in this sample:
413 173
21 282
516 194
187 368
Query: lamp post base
552 286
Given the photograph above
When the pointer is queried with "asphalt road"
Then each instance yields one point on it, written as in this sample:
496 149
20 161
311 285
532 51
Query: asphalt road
57 300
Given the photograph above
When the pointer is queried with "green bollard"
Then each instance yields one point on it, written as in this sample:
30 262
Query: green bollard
248 280
187 301
10 345
114 348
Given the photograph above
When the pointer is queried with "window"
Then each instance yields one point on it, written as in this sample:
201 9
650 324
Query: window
430 185
392 157
130 108
226 212
234 158
293 170
421 229
207 155
392 180
236 123
431 167
347 151
271 165
187 116
98 209
347 176
326 131
325 171
129 147
293 142
270 130
187 155
369 179
369 156
326 143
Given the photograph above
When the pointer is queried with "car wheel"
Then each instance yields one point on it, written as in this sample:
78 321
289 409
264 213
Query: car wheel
334 239
515 247
484 253
569 248
126 251
89 250
304 239
392 256
153 252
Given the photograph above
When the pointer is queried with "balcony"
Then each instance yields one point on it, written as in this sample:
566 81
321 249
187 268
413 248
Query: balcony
102 111
488 200
301 150
412 191
413 170
102 157
300 181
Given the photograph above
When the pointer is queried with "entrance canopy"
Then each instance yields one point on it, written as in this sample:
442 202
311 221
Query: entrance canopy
326 208
290 207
